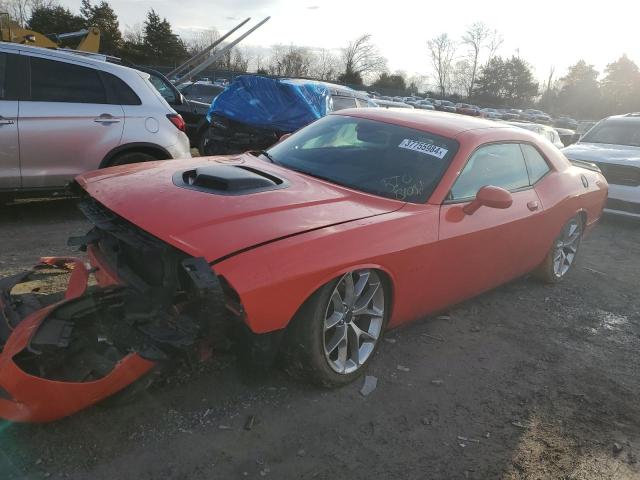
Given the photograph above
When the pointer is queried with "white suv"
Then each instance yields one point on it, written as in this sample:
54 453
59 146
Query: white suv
62 114
614 145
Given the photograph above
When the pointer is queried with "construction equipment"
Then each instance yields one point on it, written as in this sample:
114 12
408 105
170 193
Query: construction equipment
14 33
202 60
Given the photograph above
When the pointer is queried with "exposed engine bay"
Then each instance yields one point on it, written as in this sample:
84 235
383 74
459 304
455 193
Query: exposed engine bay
150 306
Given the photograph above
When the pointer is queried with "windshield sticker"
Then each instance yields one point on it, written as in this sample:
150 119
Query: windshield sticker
426 148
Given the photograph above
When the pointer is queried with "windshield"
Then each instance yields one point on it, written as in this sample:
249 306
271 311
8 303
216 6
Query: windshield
374 157
615 133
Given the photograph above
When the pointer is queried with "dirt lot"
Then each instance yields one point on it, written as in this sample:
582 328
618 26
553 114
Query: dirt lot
528 381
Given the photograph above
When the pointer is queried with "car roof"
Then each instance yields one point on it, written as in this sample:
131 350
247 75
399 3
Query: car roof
96 59
439 123
627 117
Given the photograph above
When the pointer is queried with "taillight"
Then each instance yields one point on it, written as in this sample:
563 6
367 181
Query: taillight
178 121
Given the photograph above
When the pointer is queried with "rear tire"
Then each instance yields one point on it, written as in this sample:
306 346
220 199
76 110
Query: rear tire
132 157
563 253
336 333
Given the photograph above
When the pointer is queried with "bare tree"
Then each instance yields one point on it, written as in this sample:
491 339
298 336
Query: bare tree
552 70
235 60
202 39
361 58
20 10
324 65
442 50
475 38
494 42
134 34
289 61
419 82
461 76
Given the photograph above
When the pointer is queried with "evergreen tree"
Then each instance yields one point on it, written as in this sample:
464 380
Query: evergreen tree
506 81
162 45
579 93
621 86
54 19
102 16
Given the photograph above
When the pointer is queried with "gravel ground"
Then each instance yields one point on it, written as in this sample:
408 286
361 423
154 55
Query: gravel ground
526 382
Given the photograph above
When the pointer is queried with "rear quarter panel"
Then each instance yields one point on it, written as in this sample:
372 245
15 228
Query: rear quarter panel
569 190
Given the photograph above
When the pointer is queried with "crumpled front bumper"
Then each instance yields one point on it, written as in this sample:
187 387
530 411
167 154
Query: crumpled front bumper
28 398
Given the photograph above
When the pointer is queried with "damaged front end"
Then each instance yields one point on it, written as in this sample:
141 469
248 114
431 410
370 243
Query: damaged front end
150 304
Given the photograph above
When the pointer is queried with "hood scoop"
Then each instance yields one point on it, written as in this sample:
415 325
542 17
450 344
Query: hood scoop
228 180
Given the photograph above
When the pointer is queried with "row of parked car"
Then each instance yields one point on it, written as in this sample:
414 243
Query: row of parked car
506 113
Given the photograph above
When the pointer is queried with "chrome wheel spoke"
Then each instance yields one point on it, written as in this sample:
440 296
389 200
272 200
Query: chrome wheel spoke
339 336
360 285
349 289
343 350
354 341
362 335
363 302
333 320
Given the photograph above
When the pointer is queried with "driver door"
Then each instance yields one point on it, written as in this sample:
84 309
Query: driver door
491 246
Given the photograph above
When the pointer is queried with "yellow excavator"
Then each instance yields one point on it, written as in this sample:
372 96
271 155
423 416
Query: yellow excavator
14 33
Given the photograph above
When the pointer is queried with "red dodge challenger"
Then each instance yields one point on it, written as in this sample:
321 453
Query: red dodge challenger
362 221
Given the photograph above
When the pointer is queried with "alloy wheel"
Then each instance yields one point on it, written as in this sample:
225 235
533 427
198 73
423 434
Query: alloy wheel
566 247
353 320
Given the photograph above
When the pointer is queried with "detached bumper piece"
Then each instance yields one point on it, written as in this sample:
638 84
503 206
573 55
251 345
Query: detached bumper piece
61 358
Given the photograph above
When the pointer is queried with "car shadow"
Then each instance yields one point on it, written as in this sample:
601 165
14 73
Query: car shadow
40 210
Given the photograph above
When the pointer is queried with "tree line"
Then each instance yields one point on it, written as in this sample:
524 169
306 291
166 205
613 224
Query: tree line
470 69
467 69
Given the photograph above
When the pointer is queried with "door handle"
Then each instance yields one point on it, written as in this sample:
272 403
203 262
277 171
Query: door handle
106 119
533 205
5 121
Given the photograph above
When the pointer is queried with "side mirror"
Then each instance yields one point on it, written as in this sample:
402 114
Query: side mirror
489 196
284 137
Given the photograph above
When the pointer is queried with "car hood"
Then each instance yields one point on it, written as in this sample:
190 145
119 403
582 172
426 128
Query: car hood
213 226
602 152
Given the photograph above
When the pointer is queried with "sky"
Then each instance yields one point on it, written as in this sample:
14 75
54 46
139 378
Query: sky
545 33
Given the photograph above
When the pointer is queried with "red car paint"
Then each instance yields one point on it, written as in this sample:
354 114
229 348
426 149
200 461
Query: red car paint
34 399
433 254
276 248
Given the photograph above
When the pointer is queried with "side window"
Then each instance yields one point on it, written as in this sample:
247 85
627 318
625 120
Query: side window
53 81
213 91
362 103
165 90
119 92
343 102
500 165
536 164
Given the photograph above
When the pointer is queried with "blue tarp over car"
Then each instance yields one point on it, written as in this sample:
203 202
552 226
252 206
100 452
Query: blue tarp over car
275 104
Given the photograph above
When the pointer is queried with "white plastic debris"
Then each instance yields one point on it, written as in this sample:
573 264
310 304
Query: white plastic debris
370 384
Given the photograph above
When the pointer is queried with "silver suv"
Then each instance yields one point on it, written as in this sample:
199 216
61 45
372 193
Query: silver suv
62 114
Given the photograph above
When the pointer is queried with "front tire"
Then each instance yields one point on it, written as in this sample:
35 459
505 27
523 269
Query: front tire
562 256
335 334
